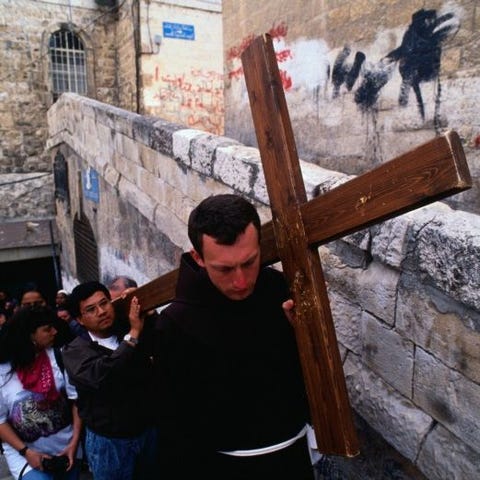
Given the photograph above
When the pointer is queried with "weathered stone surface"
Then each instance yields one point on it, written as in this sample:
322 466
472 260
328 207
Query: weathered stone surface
136 197
384 304
440 326
27 195
401 422
448 249
238 166
181 141
448 397
203 152
444 457
347 317
390 240
373 289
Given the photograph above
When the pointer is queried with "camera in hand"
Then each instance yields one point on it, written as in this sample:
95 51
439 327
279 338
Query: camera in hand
55 464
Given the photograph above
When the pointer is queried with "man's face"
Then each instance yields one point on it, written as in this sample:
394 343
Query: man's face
97 314
117 288
233 269
60 298
64 315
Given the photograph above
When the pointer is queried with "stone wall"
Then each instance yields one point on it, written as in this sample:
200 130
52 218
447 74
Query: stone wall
181 80
25 87
127 36
364 80
405 294
182 62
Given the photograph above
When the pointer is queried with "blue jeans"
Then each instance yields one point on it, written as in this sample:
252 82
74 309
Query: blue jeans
122 458
72 474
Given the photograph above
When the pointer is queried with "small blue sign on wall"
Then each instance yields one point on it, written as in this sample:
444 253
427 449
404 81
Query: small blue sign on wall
178 30
90 185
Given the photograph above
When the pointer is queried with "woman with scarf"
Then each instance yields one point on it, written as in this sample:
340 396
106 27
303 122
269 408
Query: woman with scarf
39 424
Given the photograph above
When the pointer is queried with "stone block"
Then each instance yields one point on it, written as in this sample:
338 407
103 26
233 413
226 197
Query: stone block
390 240
125 167
128 148
132 194
448 249
237 167
173 227
388 354
203 152
440 326
182 144
444 457
401 423
347 319
373 289
447 396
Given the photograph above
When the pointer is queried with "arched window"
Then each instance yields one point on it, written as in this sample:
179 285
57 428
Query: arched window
68 69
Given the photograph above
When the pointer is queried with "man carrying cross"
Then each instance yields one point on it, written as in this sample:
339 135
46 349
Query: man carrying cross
233 399
428 173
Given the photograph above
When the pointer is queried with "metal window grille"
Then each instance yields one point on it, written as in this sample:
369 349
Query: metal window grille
60 175
86 251
68 70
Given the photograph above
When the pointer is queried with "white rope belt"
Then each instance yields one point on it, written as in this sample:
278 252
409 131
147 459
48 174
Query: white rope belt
269 449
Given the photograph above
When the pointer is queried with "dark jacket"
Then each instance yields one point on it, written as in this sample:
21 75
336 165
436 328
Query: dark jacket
228 371
115 388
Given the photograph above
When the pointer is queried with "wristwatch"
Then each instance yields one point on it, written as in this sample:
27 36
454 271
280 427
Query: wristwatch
23 451
128 338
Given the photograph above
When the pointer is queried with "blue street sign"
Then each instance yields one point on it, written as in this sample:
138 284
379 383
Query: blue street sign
178 30
90 185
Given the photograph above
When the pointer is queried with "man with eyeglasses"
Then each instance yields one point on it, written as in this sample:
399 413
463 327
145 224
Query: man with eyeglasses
113 376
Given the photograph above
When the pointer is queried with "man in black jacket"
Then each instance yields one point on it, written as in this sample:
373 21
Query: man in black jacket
113 377
233 402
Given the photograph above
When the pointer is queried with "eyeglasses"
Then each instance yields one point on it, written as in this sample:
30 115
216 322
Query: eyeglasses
92 309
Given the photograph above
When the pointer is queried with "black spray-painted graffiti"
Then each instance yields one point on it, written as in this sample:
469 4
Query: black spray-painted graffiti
418 59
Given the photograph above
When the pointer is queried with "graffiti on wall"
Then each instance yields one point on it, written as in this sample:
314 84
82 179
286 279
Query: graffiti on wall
418 59
195 99
278 34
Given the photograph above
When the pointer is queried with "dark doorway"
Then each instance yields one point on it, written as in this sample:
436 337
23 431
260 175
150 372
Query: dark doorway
38 271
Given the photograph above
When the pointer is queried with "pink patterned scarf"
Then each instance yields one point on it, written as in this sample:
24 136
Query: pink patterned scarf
38 377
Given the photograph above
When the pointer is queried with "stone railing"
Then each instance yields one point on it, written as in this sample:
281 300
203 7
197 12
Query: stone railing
405 294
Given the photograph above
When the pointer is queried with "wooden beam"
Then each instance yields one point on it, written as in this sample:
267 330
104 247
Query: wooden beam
330 410
443 171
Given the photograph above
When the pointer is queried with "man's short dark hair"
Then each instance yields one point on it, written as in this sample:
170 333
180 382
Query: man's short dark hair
82 292
223 217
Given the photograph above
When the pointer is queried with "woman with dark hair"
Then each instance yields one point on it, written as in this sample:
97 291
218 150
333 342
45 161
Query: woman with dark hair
39 424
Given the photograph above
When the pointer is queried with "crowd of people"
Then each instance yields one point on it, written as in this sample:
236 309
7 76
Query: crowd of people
210 387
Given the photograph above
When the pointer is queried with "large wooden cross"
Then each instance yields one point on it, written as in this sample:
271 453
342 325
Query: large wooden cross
428 173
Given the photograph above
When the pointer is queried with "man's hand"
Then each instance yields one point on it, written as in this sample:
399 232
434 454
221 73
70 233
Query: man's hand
289 309
136 320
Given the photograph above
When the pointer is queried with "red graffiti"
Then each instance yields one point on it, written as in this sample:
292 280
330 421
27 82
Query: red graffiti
195 100
236 73
286 80
283 55
235 52
477 142
279 31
